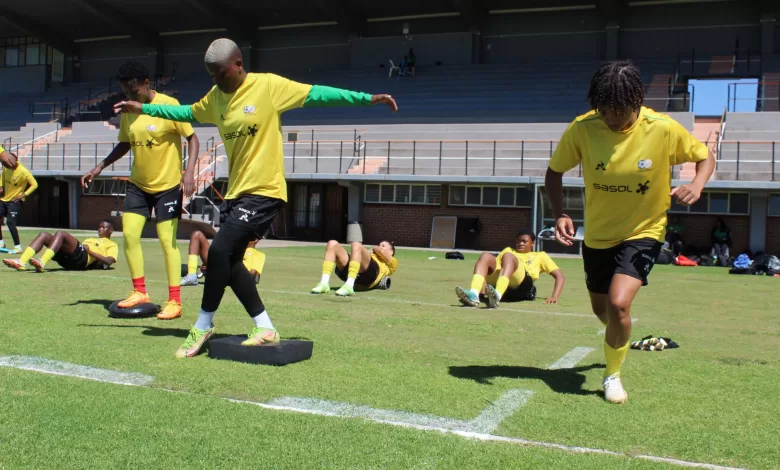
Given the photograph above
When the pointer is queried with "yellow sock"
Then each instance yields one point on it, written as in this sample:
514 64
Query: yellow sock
192 264
615 358
353 269
48 254
501 285
132 226
28 253
166 232
477 282
328 267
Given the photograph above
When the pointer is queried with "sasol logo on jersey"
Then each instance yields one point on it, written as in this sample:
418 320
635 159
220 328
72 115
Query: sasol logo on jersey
619 188
250 131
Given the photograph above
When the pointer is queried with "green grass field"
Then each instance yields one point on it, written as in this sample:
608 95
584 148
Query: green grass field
714 400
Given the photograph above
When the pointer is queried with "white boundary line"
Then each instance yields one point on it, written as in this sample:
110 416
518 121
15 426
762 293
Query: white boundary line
121 378
571 358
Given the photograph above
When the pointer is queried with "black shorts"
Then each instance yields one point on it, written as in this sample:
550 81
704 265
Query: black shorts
252 214
10 210
525 291
76 261
364 279
633 258
166 204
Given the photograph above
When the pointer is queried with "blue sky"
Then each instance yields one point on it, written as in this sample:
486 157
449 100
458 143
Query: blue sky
710 96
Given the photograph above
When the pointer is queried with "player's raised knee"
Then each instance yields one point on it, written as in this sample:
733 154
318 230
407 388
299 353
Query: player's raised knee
356 245
333 243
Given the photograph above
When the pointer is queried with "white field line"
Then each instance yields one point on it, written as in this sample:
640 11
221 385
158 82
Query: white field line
61 368
357 297
571 358
47 366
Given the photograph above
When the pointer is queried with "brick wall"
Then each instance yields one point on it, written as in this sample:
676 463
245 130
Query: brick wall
698 230
93 209
773 235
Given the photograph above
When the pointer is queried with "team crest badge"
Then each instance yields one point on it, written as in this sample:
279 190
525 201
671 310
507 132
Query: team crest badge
249 109
645 164
151 128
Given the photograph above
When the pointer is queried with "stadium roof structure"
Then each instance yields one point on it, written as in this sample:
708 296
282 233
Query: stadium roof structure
61 23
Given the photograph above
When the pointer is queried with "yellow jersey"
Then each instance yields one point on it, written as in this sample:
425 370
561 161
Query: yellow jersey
250 125
156 144
385 268
17 182
627 174
534 263
254 259
101 246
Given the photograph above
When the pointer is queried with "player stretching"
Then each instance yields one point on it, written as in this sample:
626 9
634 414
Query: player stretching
65 250
246 108
362 270
253 260
511 275
155 184
625 151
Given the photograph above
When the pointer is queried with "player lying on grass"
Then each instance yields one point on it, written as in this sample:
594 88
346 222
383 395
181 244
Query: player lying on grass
247 109
625 151
65 250
511 275
361 270
199 249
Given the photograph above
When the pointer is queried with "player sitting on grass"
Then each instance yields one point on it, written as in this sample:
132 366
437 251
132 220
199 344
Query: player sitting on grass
64 249
362 270
199 249
511 275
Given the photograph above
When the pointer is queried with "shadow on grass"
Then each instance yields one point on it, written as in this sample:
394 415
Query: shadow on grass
102 302
182 333
569 381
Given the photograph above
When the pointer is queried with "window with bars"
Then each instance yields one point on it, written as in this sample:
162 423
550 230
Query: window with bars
403 194
490 196
106 187
713 202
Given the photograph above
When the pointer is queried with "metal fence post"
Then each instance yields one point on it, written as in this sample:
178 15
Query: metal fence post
738 149
522 156
341 153
293 169
63 155
773 160
467 158
440 143
414 156
494 158
317 158
47 156
95 153
79 157
365 151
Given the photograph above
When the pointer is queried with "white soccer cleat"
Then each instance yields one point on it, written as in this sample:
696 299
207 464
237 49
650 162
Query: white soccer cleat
189 280
614 391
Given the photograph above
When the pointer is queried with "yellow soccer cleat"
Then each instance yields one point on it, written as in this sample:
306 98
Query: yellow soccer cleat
261 337
170 311
133 299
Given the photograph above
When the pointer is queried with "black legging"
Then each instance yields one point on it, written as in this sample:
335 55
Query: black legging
722 252
10 221
226 268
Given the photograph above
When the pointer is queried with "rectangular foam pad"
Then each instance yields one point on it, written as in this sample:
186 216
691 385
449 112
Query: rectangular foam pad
286 352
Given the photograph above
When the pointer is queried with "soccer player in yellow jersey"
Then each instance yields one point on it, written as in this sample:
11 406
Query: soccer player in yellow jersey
16 183
156 183
361 270
626 151
254 260
511 275
247 109
64 249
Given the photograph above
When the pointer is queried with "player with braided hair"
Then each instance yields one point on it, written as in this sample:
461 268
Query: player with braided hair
625 150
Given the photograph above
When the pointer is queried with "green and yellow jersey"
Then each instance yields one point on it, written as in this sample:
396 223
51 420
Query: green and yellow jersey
16 182
157 147
103 247
627 175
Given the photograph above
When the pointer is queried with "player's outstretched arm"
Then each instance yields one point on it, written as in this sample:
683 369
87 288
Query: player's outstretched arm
560 280
325 96
179 113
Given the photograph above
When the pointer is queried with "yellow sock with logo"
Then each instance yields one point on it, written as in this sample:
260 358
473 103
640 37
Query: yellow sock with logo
28 253
192 264
477 282
615 358
47 256
501 285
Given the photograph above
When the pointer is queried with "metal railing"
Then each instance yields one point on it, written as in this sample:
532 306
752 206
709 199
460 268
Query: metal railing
738 160
767 96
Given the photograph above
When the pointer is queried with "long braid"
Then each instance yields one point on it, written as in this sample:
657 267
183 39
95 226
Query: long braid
618 86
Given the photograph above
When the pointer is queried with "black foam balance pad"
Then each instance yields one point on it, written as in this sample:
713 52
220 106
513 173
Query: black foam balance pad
286 352
144 310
